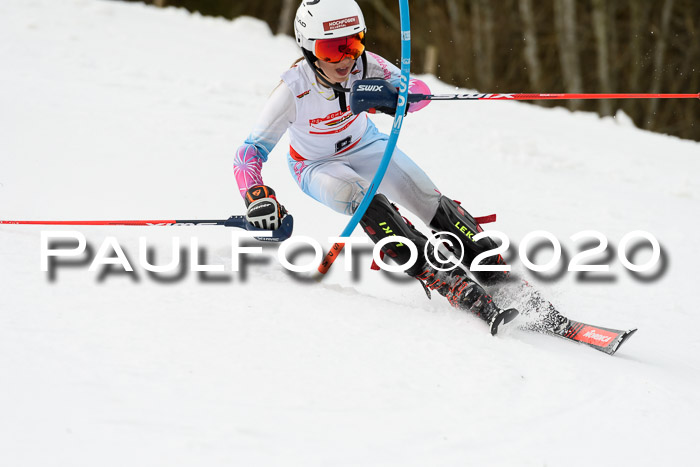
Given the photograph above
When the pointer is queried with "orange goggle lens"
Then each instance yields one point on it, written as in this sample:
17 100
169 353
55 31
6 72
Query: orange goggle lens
335 50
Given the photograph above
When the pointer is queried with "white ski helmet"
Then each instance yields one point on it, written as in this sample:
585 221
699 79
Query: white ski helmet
326 19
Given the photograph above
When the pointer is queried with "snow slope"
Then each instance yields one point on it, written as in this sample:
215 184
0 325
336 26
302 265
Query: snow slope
112 110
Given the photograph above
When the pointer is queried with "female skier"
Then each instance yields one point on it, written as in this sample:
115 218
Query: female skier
334 153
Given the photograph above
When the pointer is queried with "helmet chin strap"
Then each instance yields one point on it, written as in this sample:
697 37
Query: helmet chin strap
336 87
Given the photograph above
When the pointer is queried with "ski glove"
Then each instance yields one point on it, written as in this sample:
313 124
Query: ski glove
378 95
264 212
387 110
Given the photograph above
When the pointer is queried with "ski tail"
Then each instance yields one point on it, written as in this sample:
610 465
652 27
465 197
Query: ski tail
606 340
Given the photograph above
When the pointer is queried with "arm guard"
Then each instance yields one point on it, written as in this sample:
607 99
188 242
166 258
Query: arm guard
246 168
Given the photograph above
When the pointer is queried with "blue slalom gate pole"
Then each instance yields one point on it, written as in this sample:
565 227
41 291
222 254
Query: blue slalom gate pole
391 144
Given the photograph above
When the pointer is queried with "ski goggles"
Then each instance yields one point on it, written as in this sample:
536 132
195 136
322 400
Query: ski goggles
335 50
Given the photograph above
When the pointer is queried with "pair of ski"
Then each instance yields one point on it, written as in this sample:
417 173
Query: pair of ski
552 322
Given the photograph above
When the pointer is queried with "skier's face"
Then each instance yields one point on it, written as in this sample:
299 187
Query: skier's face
337 72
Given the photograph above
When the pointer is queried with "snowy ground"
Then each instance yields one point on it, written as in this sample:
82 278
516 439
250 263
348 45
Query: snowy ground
121 111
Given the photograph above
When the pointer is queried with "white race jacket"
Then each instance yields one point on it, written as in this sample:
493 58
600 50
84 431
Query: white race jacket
318 128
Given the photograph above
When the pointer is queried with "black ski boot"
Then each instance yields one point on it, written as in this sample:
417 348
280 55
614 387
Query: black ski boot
464 293
452 217
382 219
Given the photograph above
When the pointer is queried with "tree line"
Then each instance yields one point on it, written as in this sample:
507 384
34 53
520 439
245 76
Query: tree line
547 46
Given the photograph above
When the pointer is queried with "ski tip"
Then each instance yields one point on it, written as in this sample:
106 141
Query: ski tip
622 339
627 335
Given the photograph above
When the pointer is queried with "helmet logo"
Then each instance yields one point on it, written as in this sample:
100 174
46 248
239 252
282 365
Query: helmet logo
313 3
341 23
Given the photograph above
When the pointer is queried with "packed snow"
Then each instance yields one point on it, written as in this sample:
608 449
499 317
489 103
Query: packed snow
112 110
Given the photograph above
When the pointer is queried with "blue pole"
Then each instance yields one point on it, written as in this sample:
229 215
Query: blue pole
393 136
398 120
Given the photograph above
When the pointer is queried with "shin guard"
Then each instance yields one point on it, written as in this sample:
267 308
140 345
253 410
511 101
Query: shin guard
382 220
453 218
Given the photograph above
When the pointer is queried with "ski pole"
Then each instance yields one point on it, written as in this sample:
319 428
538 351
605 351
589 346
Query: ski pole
375 93
278 235
542 97
400 103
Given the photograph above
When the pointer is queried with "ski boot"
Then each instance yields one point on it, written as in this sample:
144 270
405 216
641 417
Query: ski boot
382 219
452 217
466 294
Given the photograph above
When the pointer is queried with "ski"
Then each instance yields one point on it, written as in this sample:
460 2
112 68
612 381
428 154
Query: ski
377 93
279 235
542 317
606 340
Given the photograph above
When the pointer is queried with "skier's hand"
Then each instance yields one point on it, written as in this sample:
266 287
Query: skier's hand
264 211
374 95
387 110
